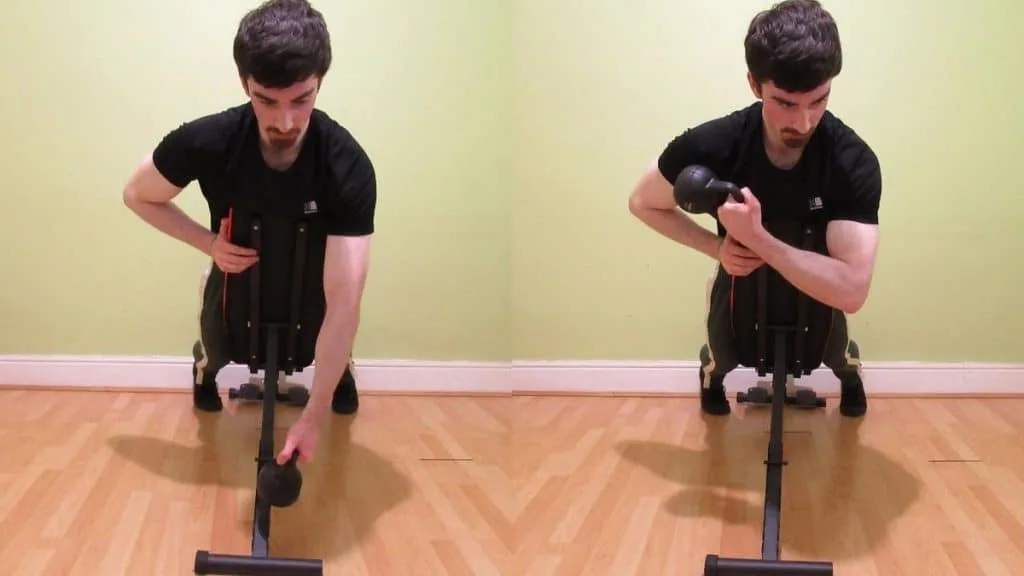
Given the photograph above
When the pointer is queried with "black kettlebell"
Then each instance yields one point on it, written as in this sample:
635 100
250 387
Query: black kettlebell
698 191
280 485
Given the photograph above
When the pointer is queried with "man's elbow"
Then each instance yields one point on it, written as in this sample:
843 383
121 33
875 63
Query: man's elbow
852 305
855 298
133 198
129 197
633 204
638 206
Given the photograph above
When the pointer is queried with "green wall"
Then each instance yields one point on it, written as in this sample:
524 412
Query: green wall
602 86
507 137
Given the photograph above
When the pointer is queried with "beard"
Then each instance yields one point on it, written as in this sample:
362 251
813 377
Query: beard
794 140
280 143
280 150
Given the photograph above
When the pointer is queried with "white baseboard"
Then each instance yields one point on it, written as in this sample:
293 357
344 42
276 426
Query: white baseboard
525 377
175 372
675 377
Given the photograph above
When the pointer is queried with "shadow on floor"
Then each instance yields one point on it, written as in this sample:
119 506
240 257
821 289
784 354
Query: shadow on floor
345 489
839 497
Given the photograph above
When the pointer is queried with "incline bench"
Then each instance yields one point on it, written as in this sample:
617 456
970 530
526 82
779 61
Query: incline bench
273 313
774 335
777 330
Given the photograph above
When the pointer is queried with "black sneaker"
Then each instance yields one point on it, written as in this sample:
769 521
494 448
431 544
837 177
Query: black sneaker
346 398
205 396
712 398
853 403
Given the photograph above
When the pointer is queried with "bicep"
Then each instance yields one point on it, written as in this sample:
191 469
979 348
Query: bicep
855 244
346 262
653 191
148 184
177 160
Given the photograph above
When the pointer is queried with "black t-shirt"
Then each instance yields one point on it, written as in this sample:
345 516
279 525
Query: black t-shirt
329 190
838 176
332 176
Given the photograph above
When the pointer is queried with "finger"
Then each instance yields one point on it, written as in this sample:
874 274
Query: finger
747 265
748 197
753 267
234 266
239 259
286 453
239 263
223 230
735 196
739 251
743 250
728 207
239 250
229 264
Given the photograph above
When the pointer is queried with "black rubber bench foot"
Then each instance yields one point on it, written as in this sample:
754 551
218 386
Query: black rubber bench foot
717 566
227 564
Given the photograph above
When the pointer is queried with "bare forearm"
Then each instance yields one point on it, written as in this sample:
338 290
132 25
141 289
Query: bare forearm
171 220
678 226
827 280
332 355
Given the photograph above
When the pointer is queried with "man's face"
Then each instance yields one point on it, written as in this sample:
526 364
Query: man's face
283 113
792 117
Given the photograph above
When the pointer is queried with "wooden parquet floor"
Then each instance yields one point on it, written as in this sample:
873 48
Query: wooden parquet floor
104 483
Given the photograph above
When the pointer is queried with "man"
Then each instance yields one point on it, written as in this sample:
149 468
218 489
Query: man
791 157
278 147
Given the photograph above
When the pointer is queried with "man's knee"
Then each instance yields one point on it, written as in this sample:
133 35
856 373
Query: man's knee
843 358
207 362
715 364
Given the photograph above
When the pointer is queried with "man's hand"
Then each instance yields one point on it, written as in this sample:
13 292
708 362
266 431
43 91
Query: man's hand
742 219
229 257
303 436
736 259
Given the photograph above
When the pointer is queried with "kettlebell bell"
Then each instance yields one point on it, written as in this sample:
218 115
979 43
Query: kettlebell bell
280 485
698 191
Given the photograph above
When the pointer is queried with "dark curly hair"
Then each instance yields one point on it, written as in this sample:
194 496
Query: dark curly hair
282 42
794 45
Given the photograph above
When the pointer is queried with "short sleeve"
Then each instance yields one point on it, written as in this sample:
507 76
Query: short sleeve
178 155
353 207
709 144
194 149
681 152
860 196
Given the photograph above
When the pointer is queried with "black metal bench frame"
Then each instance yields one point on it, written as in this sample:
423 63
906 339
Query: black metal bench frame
260 562
770 564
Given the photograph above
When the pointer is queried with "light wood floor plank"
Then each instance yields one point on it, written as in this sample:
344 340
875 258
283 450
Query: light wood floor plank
134 483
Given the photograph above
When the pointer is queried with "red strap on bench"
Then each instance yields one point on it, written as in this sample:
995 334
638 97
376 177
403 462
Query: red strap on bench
224 285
